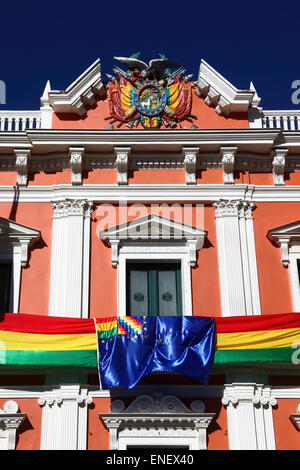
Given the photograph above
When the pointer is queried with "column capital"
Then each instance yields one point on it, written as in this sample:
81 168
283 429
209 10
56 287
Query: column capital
72 207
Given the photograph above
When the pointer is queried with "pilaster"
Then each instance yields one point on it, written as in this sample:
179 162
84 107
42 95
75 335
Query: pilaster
249 415
237 258
64 418
70 258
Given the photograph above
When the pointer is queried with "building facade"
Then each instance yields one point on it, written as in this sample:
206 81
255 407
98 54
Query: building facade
107 209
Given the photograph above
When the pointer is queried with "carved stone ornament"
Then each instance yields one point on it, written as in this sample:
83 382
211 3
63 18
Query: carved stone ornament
157 415
22 157
233 208
122 155
190 164
278 166
76 163
228 155
72 207
10 421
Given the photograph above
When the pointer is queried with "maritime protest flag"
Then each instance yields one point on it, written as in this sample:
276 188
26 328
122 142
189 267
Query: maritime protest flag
131 347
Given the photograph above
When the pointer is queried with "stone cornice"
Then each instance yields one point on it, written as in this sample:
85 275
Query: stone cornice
219 92
81 93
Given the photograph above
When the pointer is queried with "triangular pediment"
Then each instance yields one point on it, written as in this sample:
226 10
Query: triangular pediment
153 227
13 230
286 232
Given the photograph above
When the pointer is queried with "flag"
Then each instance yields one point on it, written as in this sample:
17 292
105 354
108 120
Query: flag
261 338
131 347
39 340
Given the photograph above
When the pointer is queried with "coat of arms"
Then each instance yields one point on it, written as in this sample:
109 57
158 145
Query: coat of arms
151 94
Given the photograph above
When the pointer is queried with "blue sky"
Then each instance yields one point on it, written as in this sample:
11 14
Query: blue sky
58 40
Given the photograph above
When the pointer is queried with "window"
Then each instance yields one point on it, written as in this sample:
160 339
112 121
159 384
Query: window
5 277
160 242
15 240
154 289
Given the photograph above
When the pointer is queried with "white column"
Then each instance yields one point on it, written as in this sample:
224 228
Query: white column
64 418
230 258
69 278
249 416
237 258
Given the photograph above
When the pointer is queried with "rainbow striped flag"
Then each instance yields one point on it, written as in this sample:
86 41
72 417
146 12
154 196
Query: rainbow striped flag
263 338
37 340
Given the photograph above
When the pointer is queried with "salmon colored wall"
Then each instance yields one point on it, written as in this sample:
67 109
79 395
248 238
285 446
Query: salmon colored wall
8 178
261 178
157 177
207 118
272 275
292 177
42 178
29 433
35 278
210 176
99 177
205 277
287 437
98 435
217 431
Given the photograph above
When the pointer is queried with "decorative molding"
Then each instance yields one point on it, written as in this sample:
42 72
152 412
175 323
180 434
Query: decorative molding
157 419
249 414
285 236
10 421
153 228
76 163
228 155
190 163
295 418
279 159
82 93
22 157
218 91
122 155
71 208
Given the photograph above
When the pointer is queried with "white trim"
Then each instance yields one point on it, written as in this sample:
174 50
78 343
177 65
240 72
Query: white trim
10 421
64 418
157 254
157 420
237 258
249 415
153 193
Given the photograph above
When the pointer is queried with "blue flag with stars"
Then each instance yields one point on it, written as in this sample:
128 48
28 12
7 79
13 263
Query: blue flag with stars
130 348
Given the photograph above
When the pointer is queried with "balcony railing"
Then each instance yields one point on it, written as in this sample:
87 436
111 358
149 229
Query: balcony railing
286 120
19 120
